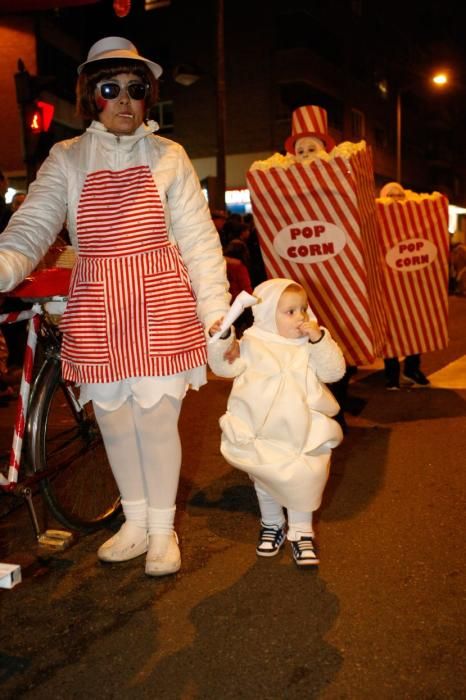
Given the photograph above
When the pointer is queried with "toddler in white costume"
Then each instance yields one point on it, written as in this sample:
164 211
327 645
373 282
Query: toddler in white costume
278 426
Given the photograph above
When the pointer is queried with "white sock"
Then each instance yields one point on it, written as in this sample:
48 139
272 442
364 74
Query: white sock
271 511
161 520
136 512
299 523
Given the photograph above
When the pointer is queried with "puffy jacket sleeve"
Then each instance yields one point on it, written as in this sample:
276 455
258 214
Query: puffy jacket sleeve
198 241
14 267
326 358
36 224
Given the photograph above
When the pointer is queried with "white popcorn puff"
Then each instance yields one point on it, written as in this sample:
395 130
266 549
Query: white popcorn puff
344 150
411 196
275 161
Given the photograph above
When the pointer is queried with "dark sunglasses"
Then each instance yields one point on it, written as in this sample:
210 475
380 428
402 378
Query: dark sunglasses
110 91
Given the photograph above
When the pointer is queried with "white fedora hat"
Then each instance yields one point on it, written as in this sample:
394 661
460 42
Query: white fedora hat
117 47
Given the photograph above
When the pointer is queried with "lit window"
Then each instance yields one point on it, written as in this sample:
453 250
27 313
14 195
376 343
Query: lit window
155 4
10 193
164 115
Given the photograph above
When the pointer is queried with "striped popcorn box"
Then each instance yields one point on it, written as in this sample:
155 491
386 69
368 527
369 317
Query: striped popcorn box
317 224
414 247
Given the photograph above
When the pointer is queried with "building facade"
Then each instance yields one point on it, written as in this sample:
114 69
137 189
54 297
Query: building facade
354 58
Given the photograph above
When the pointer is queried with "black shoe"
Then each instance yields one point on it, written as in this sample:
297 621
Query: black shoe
271 539
392 386
304 553
416 378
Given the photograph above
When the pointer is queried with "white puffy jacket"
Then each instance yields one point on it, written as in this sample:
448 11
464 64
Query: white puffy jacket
53 198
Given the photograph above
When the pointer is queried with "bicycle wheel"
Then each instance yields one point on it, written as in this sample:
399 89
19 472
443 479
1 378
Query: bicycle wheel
64 442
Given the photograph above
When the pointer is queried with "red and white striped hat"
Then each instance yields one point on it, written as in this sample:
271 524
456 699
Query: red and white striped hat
309 120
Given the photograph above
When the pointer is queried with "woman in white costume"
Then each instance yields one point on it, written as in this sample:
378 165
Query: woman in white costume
278 426
149 279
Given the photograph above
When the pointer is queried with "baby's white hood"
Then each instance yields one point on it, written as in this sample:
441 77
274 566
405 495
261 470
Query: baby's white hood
268 294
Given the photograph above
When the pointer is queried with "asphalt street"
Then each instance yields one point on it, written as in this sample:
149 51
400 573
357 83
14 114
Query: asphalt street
382 617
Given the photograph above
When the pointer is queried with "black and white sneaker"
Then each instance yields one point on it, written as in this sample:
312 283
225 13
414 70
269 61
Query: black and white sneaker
304 553
271 539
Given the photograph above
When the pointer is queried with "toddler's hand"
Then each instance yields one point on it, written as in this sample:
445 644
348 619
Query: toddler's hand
232 353
312 330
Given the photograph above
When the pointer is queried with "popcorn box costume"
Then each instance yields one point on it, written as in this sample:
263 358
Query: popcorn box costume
317 223
278 426
414 245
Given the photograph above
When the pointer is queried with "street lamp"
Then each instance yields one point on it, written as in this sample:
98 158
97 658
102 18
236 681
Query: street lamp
439 79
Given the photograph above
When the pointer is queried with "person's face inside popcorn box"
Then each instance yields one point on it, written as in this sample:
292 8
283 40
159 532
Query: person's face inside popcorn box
308 148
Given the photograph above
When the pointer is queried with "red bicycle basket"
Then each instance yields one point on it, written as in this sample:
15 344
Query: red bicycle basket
50 282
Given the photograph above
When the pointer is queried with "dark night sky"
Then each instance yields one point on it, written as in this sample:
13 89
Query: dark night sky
431 32
405 40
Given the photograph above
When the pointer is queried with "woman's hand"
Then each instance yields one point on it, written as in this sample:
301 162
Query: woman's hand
232 352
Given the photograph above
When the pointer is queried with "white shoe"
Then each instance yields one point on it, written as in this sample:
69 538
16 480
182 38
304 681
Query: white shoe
129 542
163 556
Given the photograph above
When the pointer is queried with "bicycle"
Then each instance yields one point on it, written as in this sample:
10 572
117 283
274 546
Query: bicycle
56 442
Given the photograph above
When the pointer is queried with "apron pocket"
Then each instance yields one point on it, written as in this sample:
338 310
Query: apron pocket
172 322
84 327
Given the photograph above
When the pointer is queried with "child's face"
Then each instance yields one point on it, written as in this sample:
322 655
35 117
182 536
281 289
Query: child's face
394 191
291 313
307 148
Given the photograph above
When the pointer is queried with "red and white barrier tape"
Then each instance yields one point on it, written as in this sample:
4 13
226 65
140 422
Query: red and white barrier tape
23 399
15 316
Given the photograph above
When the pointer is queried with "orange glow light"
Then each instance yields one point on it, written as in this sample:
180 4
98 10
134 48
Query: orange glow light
440 79
36 122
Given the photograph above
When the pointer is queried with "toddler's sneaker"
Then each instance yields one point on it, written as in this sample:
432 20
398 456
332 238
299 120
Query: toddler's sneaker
304 553
271 539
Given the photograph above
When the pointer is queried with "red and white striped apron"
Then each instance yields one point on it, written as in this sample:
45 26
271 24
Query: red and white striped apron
131 309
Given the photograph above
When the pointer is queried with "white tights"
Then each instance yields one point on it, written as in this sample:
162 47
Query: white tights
272 514
144 450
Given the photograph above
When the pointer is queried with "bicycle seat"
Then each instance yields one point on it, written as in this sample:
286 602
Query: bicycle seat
44 285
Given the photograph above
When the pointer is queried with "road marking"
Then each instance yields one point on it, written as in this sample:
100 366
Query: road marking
452 376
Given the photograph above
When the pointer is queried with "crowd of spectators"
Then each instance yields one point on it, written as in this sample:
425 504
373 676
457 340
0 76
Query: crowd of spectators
243 257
